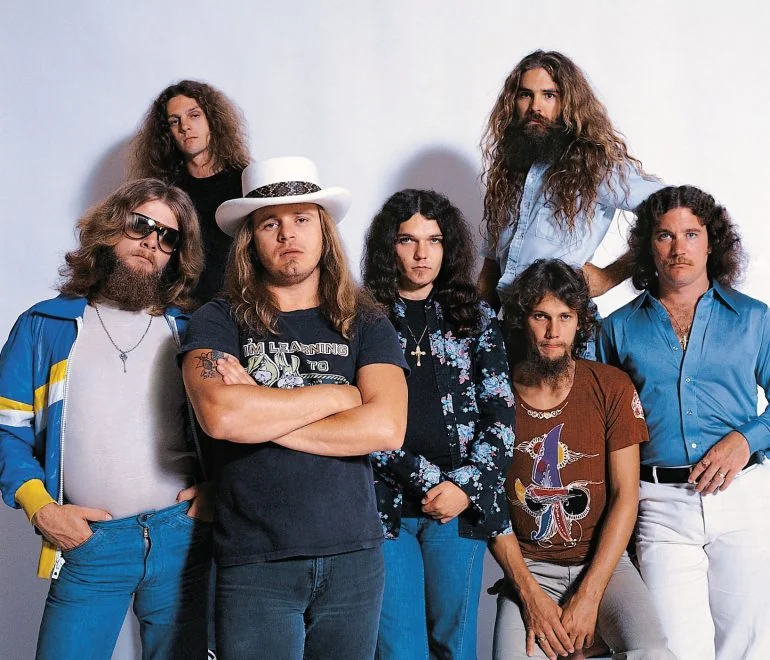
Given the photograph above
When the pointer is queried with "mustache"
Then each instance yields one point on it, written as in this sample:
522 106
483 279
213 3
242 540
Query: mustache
150 256
539 119
679 261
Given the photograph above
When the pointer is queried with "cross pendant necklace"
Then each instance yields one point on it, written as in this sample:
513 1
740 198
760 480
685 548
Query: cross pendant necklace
417 352
682 334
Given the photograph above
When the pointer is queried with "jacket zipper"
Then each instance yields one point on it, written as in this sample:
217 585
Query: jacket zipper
58 559
190 415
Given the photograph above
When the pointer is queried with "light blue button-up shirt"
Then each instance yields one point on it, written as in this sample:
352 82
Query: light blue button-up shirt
539 236
693 398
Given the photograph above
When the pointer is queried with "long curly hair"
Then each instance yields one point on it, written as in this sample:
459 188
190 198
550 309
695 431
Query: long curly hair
727 259
87 267
561 280
254 307
572 181
155 152
453 287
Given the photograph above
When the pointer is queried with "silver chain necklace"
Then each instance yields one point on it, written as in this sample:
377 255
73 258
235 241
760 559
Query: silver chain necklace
123 354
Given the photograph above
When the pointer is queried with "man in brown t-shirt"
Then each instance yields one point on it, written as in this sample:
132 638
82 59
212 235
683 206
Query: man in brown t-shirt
572 487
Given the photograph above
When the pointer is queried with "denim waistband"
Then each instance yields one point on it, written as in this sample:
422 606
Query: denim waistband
145 519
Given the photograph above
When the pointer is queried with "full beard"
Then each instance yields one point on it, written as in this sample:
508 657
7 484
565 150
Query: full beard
130 289
538 369
522 146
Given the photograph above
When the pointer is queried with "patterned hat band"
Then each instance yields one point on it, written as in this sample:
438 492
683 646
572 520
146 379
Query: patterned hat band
284 189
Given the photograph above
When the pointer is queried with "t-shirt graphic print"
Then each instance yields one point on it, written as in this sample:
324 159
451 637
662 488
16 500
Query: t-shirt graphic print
278 364
557 485
276 503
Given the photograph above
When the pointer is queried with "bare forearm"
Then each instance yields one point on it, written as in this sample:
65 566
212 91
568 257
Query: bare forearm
613 539
506 551
601 280
354 432
251 414
233 407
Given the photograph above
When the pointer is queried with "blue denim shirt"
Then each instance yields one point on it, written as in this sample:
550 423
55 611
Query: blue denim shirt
693 398
538 234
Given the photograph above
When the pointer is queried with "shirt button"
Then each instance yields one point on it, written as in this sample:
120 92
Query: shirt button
689 412
686 380
694 445
675 347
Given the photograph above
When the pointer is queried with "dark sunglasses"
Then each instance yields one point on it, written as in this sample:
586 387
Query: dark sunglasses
139 226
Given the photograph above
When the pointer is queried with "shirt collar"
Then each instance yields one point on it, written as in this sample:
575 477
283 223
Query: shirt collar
716 290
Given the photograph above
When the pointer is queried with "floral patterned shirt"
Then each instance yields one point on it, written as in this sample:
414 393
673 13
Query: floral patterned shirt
477 401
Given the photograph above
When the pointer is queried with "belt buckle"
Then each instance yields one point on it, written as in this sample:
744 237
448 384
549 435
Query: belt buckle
655 474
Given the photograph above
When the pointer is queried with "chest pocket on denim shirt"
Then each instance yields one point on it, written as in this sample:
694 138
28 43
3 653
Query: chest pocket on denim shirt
547 227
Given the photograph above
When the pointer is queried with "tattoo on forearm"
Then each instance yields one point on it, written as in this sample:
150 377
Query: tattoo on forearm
207 363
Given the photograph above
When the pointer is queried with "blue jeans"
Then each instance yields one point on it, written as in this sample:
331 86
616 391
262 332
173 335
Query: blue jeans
432 585
162 558
314 608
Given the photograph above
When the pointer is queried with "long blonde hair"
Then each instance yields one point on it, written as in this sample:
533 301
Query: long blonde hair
254 307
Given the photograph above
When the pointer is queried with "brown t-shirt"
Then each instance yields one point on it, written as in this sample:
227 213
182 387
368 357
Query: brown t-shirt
557 483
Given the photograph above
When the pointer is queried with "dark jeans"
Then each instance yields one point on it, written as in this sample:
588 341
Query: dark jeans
318 608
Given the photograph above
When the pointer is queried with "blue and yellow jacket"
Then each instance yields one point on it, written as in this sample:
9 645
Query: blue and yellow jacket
33 406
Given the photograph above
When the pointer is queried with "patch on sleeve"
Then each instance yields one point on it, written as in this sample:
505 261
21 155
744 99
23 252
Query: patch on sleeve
636 406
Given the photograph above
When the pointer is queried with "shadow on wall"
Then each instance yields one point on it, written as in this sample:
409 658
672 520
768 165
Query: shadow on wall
23 594
452 174
109 172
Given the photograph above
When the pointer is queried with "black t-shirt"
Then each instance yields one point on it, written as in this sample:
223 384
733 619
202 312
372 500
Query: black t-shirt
277 503
206 195
426 432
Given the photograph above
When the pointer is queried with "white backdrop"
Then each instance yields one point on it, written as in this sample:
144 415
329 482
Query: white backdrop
383 96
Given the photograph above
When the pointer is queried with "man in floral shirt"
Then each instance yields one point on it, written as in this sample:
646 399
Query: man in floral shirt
442 495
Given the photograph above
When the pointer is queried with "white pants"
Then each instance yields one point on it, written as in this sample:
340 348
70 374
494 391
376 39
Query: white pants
706 561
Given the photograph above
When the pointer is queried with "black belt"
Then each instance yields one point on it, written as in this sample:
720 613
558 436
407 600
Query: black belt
676 475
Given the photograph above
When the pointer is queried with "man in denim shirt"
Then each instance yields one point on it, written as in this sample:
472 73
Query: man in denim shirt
556 171
704 504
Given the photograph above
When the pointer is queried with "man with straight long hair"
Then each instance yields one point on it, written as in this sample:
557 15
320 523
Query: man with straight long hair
441 496
572 487
195 137
556 171
299 377
697 349
97 443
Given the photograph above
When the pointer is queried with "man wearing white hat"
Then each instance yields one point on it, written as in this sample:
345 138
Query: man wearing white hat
298 538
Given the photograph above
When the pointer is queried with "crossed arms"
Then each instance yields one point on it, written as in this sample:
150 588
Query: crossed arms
327 420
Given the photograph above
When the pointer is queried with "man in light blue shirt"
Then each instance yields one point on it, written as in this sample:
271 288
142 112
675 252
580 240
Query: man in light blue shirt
696 350
556 172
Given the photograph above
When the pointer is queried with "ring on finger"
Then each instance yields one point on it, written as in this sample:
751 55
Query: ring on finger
541 638
722 474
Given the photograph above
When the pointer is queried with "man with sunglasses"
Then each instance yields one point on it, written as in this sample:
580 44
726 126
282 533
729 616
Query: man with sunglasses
572 487
96 440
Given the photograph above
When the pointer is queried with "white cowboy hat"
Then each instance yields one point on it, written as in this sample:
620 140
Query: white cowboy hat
288 180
